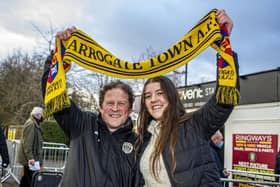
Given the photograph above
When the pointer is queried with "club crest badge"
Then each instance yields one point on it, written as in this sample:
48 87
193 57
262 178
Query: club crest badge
127 147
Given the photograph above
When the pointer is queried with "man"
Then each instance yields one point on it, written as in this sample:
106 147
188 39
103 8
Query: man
101 145
31 146
3 151
217 143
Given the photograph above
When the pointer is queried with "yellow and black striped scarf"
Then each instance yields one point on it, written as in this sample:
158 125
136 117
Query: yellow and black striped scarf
86 52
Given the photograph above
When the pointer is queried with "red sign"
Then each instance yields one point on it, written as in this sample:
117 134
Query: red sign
254 153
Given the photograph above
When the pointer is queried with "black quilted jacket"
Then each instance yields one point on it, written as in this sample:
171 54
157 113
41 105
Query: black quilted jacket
196 166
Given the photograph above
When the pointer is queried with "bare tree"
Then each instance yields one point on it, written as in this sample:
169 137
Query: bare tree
20 88
48 36
82 94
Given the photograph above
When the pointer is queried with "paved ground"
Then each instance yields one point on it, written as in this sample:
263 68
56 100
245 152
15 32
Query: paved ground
10 182
49 178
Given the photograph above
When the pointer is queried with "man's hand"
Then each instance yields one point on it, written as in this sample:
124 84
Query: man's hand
224 19
226 172
66 34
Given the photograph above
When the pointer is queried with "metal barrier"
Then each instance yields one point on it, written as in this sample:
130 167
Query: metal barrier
54 159
250 179
54 156
14 169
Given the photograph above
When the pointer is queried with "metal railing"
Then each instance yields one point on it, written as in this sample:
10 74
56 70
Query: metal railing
54 156
239 178
54 159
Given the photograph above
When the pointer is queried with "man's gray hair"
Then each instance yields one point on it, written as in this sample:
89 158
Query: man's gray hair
37 110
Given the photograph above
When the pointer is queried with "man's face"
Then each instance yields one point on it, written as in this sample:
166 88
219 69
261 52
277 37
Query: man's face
37 116
115 108
217 138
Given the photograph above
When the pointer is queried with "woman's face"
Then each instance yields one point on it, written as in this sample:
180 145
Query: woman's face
155 100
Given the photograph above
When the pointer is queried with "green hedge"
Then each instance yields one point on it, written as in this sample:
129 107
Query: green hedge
53 133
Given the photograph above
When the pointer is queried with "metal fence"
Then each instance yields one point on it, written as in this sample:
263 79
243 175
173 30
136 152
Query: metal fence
54 159
239 178
55 156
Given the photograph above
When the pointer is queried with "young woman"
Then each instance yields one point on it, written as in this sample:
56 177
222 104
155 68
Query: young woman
173 146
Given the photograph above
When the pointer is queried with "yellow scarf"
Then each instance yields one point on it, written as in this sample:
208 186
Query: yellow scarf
56 97
83 50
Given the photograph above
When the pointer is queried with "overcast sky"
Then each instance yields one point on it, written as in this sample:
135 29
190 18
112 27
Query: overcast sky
128 27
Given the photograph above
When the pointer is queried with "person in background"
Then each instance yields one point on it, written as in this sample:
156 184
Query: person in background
3 151
217 143
31 146
173 146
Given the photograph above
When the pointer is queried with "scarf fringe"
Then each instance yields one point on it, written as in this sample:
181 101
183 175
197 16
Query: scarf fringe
57 104
227 95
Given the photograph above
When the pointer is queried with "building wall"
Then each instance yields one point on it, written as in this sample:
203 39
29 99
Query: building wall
251 119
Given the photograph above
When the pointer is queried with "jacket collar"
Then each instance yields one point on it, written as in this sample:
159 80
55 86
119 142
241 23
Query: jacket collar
154 128
127 128
36 122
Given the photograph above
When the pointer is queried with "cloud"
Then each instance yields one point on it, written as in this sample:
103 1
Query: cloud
14 41
128 28
18 16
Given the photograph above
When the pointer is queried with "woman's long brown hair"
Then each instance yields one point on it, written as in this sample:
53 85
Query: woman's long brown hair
173 116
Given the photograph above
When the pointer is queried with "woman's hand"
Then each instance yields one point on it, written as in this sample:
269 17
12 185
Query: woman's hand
224 19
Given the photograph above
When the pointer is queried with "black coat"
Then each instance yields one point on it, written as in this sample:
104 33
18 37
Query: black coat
97 157
277 166
3 148
216 151
195 163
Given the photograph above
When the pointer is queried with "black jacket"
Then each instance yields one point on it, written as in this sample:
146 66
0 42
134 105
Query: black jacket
277 166
3 148
195 164
216 151
97 157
